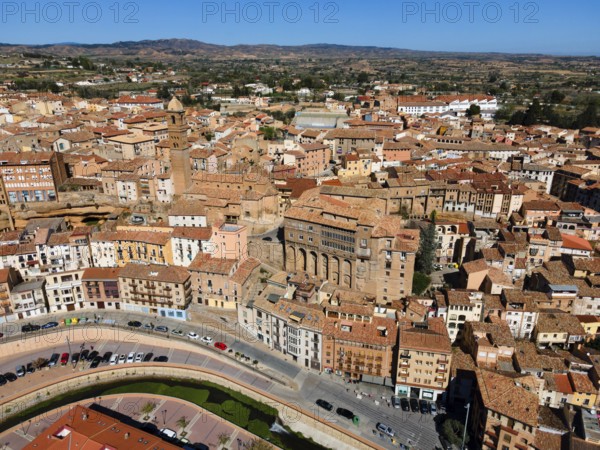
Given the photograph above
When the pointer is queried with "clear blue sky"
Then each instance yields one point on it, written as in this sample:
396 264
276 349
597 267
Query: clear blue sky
545 26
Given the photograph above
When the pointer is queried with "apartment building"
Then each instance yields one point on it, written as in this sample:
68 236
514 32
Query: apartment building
521 311
132 179
139 245
346 140
490 344
9 277
32 176
28 299
358 341
453 242
462 306
187 213
556 328
504 415
101 287
424 358
188 242
316 161
288 326
221 282
65 251
64 291
152 289
350 245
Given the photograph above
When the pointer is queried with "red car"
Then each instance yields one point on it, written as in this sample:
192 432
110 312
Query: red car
64 359
220 346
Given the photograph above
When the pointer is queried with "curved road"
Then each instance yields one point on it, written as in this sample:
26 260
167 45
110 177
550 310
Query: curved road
299 386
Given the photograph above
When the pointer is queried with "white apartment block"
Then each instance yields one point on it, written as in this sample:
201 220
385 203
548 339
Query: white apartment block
64 291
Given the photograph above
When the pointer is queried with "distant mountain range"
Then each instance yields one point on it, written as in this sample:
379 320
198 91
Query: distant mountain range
171 49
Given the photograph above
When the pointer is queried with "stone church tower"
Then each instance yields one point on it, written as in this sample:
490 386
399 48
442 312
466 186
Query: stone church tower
181 169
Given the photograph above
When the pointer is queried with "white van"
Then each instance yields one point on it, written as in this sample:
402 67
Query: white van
168 433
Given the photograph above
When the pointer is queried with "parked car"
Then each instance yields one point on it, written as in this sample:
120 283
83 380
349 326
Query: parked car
161 359
122 359
404 404
10 377
92 355
131 357
84 355
168 433
395 401
28 328
148 357
134 324
75 358
106 357
30 368
20 371
148 326
64 359
424 406
385 429
177 332
433 409
324 404
95 362
49 325
161 329
345 413
114 359
193 335
221 346
206 339
3 380
139 357
53 359
414 405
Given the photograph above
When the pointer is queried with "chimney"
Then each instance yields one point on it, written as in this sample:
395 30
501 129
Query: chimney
126 435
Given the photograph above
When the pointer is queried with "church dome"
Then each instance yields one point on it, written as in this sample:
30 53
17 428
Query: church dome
175 105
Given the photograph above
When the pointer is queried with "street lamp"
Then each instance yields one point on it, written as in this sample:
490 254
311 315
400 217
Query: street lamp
164 414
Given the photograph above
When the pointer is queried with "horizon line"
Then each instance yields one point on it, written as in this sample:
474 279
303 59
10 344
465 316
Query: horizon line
381 47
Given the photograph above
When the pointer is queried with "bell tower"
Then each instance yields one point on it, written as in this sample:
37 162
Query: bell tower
181 169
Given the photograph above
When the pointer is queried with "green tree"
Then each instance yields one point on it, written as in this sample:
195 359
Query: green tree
588 118
453 431
182 422
555 97
147 409
474 110
420 283
427 243
270 133
223 439
533 113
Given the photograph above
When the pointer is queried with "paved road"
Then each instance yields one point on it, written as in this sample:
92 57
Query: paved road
290 382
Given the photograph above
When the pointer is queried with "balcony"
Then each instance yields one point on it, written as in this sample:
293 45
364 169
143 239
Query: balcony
363 253
405 364
404 356
442 361
441 370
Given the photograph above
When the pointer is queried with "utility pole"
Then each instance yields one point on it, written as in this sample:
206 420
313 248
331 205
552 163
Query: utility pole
466 426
